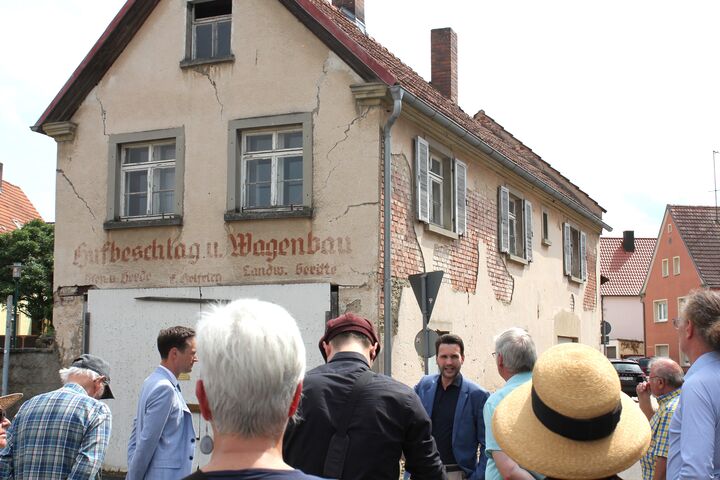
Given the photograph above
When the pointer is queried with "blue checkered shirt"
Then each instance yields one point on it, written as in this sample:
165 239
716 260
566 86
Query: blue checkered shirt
61 434
659 424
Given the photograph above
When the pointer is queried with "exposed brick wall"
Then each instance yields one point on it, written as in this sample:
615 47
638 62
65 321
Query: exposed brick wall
443 62
590 298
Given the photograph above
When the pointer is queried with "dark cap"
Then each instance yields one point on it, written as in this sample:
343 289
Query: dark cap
97 365
349 322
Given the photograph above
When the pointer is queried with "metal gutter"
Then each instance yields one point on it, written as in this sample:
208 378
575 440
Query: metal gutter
397 95
475 141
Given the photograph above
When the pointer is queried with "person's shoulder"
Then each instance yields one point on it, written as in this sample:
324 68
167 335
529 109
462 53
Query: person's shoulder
474 387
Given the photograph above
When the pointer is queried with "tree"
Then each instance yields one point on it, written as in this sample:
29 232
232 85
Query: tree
31 245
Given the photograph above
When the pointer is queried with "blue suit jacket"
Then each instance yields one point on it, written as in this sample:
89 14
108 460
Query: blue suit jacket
162 443
468 425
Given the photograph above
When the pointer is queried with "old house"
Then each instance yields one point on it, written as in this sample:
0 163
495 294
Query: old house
624 265
685 258
214 149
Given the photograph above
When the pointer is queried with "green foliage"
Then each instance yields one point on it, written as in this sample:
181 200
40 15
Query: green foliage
31 245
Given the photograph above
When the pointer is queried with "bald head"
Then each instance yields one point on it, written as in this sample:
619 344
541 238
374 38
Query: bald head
668 370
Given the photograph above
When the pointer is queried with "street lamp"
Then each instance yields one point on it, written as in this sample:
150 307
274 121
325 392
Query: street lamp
16 272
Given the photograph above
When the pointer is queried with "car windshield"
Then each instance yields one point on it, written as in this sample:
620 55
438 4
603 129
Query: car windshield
629 367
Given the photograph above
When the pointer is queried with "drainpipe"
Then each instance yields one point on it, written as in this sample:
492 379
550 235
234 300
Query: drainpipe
397 95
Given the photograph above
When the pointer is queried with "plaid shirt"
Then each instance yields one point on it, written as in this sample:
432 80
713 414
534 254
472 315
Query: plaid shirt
659 424
61 434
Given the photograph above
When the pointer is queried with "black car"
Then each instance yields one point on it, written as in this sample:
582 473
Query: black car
630 375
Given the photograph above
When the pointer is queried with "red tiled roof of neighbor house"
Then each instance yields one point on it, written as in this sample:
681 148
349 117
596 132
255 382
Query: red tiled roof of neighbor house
625 271
700 231
372 61
15 208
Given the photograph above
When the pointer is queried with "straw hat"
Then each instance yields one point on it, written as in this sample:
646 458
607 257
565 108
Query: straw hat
8 401
576 393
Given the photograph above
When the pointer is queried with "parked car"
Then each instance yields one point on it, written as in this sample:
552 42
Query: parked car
644 363
630 375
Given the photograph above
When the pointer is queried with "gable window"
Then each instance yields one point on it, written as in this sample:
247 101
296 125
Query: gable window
574 253
514 225
660 308
665 267
145 178
441 194
270 167
209 28
676 265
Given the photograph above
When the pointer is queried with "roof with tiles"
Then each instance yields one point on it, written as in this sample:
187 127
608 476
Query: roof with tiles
625 271
15 208
362 52
699 227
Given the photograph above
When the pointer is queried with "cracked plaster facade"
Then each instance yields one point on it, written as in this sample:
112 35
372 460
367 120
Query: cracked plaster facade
280 67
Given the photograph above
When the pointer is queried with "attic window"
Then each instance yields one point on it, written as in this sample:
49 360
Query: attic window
210 26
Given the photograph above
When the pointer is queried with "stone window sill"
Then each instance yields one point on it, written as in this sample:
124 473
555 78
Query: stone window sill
142 223
302 212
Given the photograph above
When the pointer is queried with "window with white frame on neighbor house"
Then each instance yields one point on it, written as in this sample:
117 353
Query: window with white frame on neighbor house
210 25
660 308
676 265
574 253
273 161
665 267
145 178
514 224
440 188
662 350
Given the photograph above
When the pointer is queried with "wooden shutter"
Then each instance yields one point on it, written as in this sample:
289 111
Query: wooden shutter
504 219
567 249
583 257
460 197
422 169
528 230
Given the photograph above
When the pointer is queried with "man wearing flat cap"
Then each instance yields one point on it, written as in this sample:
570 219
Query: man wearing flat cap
64 433
356 424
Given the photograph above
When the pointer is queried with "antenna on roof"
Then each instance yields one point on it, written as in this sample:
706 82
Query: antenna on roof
716 189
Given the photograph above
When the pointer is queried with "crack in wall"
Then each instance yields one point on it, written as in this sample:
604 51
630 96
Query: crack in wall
103 113
318 86
360 117
352 206
77 194
205 73
512 281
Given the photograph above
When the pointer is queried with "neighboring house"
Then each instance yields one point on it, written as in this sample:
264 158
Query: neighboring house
624 264
217 149
15 211
686 257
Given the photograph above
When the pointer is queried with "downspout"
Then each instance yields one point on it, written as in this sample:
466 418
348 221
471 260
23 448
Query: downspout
397 95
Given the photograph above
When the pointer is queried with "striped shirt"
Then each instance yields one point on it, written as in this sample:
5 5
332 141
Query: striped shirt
659 424
61 434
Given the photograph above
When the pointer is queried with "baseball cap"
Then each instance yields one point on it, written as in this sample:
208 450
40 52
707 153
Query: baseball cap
348 322
97 365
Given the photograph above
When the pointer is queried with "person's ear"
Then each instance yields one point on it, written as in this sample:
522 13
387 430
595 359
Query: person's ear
296 400
328 349
373 351
203 400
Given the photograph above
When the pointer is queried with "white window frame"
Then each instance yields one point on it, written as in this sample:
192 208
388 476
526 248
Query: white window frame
663 345
574 253
665 270
116 215
150 167
237 208
657 310
676 265
520 222
453 182
545 227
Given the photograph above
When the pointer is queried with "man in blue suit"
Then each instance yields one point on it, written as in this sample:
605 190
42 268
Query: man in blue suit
162 443
455 405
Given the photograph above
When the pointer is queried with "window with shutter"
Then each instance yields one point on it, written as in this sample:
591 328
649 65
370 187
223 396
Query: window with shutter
460 197
574 253
528 230
514 225
567 250
504 219
422 157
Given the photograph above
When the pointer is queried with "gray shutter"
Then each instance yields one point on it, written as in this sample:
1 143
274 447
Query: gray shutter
504 219
567 249
460 197
528 230
583 257
422 157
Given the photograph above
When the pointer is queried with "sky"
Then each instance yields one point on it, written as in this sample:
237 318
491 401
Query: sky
620 97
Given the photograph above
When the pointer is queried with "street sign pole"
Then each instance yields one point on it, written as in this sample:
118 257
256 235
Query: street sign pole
426 286
423 309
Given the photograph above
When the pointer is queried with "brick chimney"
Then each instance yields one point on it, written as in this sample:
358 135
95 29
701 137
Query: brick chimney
355 9
443 59
629 240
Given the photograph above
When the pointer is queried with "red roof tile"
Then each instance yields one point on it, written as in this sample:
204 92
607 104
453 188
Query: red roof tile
15 208
625 271
700 230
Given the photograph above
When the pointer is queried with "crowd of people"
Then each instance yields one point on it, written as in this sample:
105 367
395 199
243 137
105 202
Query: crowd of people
561 415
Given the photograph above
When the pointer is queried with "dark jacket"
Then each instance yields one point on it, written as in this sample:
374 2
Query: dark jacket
468 426
388 421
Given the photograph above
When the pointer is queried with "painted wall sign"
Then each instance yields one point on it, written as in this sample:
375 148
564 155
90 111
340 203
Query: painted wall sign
244 244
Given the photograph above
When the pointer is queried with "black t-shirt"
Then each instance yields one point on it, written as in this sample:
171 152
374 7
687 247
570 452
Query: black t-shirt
252 474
